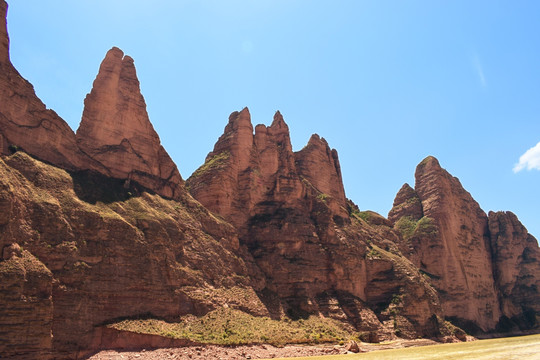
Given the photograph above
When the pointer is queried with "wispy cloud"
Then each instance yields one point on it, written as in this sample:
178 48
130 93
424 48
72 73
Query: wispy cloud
480 70
530 160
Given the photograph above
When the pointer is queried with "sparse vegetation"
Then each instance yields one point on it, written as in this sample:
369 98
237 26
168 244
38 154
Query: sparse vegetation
233 327
214 162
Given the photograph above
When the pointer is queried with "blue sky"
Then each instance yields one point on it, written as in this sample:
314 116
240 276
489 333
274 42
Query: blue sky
385 82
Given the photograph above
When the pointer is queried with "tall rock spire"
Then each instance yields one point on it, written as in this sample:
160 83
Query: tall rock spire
115 129
319 164
4 38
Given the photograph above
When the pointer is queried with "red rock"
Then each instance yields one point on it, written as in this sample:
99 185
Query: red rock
4 38
450 244
25 122
113 259
290 210
26 307
406 203
116 132
516 260
319 165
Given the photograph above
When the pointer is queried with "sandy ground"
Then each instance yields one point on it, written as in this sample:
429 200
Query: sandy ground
212 352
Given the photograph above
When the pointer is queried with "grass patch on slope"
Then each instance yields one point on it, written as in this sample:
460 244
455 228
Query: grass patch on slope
233 327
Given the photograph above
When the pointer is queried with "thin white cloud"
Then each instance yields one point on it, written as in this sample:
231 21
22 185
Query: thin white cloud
530 160
479 70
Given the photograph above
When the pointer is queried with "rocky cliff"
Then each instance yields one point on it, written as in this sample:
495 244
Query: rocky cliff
103 255
516 262
115 137
97 227
474 263
292 214
116 132
25 122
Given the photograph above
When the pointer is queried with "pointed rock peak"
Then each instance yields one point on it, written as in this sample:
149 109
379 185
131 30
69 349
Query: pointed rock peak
4 38
238 120
406 191
428 163
278 122
315 139
115 128
114 53
406 203
279 127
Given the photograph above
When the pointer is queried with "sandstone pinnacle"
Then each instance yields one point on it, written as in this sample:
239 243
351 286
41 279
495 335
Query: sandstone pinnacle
116 131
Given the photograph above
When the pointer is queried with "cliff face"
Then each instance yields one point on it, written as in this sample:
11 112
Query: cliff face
292 214
116 132
103 255
26 123
516 261
473 266
97 226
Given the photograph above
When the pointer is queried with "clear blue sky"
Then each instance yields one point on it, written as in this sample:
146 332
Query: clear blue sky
385 82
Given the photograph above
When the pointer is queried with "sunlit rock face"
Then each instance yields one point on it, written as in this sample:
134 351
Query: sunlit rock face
116 132
478 265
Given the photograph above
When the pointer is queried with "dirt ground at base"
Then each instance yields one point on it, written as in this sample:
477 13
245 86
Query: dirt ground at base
213 352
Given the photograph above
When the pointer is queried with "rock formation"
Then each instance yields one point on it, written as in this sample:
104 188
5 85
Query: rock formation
97 227
105 255
25 122
116 132
475 268
292 214
516 262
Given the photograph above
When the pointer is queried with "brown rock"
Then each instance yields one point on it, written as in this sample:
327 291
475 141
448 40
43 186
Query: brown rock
26 308
122 258
25 122
290 212
352 346
406 203
450 244
516 260
319 165
116 132
4 38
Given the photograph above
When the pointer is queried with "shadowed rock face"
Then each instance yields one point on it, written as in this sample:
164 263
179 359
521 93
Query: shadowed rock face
115 129
516 261
474 267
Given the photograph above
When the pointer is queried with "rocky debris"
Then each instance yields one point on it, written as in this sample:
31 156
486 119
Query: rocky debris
516 262
352 346
253 351
116 132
